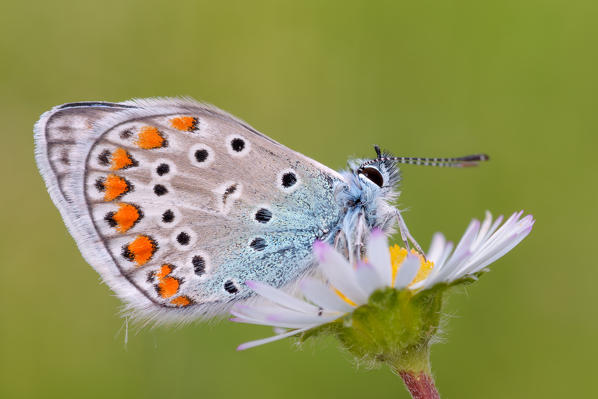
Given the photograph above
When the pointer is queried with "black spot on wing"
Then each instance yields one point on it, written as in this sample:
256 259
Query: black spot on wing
263 215
163 169
201 155
183 238
109 218
199 265
289 179
228 192
104 158
230 287
100 185
168 216
126 134
237 144
258 244
160 190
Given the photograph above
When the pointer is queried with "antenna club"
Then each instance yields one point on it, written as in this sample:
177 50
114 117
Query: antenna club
475 158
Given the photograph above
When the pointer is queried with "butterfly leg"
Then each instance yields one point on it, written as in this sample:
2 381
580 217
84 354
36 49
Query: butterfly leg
361 232
406 235
351 242
341 244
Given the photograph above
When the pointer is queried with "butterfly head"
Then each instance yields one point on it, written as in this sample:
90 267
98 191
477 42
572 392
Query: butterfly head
383 171
368 181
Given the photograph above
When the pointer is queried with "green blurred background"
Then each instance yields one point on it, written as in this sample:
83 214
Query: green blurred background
516 79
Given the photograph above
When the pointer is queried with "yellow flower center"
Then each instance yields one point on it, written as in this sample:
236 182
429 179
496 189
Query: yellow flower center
398 256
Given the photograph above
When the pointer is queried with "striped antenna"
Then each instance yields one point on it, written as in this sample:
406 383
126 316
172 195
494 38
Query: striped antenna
459 162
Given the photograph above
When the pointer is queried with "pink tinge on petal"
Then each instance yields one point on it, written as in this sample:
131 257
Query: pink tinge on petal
320 249
361 264
377 232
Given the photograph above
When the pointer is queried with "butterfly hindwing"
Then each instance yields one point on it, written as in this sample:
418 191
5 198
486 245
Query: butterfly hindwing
176 204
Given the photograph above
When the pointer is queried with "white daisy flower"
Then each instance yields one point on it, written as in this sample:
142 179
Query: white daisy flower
349 287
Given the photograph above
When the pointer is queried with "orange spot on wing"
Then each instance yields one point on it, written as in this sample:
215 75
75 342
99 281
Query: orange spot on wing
149 137
165 270
115 186
126 217
121 159
181 301
186 123
168 287
141 250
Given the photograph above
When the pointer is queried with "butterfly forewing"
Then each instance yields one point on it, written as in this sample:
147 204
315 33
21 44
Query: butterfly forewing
177 204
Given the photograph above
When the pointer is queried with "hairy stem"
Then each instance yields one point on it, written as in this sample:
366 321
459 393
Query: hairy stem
413 366
420 385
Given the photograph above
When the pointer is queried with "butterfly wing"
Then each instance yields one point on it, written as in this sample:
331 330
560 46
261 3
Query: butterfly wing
176 204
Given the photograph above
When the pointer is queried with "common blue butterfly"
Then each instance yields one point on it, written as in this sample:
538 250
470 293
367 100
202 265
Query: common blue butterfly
176 203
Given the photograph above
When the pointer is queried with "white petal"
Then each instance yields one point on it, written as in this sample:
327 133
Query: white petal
447 251
257 312
320 294
368 278
258 342
281 297
465 244
259 323
440 270
436 248
483 230
378 255
505 229
495 225
483 240
500 251
281 317
407 271
340 273
498 240
497 236
462 253
280 324
300 320
493 246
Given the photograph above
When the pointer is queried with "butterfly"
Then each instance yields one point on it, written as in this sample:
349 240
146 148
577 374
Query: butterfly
176 203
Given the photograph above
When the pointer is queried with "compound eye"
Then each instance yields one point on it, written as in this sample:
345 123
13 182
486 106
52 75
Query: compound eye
373 175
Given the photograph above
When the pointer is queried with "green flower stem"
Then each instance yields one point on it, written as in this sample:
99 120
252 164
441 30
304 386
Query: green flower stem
414 359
